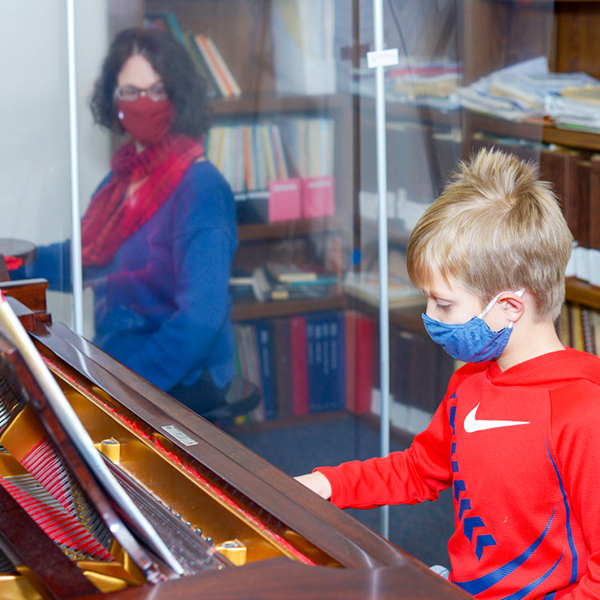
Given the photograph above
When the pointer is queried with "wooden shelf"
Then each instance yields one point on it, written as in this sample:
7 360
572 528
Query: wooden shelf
249 310
407 112
575 139
583 293
264 104
531 131
286 229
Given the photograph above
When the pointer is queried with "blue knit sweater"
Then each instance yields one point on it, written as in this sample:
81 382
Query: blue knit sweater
162 305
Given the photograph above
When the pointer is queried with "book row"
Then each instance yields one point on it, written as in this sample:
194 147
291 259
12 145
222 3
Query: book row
419 370
579 327
204 54
250 155
277 171
329 361
274 281
309 363
575 179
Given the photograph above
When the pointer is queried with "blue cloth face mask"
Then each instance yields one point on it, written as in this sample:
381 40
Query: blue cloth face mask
472 341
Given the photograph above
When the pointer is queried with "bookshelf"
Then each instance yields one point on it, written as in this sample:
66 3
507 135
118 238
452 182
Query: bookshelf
514 31
250 310
571 27
582 292
567 157
530 131
242 32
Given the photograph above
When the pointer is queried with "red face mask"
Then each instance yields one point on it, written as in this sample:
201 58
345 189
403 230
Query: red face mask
147 121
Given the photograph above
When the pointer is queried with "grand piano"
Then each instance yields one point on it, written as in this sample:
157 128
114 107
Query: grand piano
203 516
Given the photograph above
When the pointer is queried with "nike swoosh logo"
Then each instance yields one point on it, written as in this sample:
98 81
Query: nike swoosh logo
473 424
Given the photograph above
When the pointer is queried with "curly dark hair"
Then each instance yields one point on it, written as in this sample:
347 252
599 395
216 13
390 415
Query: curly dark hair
184 85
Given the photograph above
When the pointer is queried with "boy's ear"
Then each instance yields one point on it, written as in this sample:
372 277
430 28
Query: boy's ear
513 305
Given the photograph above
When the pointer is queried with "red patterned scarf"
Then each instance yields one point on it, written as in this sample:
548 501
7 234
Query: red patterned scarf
154 173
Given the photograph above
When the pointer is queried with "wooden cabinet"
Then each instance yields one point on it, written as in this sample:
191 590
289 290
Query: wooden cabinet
567 32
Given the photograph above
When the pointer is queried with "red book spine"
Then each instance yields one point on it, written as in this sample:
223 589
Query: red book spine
365 338
299 365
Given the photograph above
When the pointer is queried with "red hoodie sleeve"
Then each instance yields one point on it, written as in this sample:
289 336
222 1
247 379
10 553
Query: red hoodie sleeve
575 443
407 477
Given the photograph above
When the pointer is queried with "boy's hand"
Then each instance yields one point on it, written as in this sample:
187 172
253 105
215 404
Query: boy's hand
317 482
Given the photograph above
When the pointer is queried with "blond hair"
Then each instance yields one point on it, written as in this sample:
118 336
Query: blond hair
495 227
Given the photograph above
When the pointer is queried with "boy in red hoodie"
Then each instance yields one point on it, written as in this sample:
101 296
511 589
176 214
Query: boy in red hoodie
517 433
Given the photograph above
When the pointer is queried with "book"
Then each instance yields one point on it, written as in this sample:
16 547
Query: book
325 351
285 200
299 365
288 273
266 351
363 365
219 71
557 167
164 21
241 284
575 325
595 323
318 197
283 367
594 206
350 333
301 291
247 343
304 46
199 61
583 191
230 81
260 284
310 142
587 327
252 160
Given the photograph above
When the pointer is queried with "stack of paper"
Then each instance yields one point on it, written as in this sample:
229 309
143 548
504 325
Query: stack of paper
304 46
417 82
521 91
576 107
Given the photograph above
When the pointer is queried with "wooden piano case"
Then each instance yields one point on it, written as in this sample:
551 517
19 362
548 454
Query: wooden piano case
279 539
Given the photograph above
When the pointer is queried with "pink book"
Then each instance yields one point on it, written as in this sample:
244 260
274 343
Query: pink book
318 199
284 200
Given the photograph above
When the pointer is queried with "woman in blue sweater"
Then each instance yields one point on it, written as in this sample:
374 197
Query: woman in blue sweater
160 234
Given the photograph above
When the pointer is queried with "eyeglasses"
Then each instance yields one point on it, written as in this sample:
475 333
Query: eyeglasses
130 93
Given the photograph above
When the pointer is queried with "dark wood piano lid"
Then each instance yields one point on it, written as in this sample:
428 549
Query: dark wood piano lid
281 579
276 495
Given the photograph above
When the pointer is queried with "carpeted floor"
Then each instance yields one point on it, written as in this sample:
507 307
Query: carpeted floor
421 530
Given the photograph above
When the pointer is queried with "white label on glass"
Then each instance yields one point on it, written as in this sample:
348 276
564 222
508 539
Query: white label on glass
383 58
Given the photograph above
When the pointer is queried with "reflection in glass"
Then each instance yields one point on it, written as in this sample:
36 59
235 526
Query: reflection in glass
159 234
